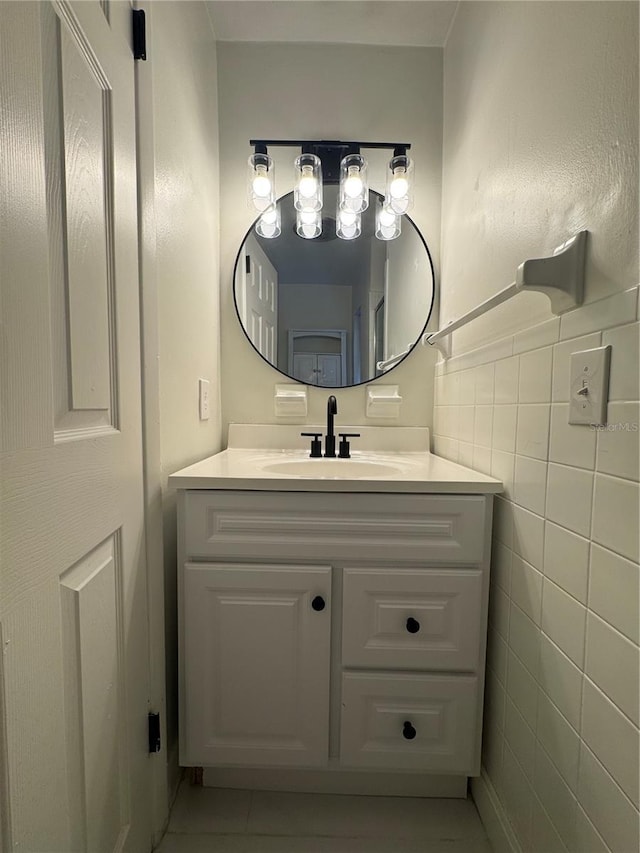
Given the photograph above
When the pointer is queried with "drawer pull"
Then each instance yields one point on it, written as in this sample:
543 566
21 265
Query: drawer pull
413 626
408 730
318 603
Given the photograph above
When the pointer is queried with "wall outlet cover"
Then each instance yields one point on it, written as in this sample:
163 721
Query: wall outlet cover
203 389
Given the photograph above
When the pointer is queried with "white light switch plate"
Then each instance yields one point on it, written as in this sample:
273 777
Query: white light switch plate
203 386
589 389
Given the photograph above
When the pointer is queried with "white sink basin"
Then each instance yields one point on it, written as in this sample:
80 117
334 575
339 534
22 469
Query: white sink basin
332 468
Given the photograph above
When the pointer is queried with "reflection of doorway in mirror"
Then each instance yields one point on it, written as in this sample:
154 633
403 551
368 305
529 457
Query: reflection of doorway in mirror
259 299
378 335
318 356
356 339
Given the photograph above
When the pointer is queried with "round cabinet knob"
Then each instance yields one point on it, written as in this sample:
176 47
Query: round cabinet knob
413 626
408 730
318 603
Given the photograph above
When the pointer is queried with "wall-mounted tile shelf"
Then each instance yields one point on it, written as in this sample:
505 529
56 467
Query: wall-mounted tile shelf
290 401
383 401
560 277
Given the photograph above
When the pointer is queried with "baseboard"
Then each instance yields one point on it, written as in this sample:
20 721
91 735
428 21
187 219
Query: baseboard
493 816
337 782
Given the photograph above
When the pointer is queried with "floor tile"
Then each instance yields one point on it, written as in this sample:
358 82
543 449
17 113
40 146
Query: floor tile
328 815
208 843
216 820
201 810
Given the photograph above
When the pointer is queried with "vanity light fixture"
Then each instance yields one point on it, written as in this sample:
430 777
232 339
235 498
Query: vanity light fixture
399 194
354 190
261 190
388 222
308 224
307 191
348 223
333 162
268 225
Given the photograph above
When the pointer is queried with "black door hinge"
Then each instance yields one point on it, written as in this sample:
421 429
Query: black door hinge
154 732
139 34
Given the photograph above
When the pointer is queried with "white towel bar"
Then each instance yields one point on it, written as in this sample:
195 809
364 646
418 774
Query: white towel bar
560 277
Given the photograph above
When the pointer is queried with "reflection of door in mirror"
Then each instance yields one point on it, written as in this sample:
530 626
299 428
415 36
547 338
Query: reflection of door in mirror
259 299
318 356
356 346
378 335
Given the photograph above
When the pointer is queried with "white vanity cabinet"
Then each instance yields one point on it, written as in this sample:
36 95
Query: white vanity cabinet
340 631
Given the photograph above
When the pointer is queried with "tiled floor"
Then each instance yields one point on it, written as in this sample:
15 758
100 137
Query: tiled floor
214 820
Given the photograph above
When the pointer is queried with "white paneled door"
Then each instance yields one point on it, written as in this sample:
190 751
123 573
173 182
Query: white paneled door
258 299
74 680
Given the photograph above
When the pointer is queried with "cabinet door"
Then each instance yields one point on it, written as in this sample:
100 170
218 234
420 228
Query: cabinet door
255 665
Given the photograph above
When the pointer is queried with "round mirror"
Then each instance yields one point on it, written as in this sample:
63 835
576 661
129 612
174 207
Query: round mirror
328 311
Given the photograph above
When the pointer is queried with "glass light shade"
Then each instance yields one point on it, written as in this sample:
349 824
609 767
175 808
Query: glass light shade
388 223
268 225
399 191
354 186
348 224
308 224
261 189
307 191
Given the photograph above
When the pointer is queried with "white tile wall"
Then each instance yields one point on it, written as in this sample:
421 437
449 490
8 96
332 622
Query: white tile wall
614 590
569 494
532 431
563 642
564 621
612 737
555 795
619 443
566 560
560 740
612 662
616 509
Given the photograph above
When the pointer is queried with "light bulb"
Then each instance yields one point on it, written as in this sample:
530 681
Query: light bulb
261 184
348 218
308 217
353 185
308 185
309 231
269 223
399 185
386 217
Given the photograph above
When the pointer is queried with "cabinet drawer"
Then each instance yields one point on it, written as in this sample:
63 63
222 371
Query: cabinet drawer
416 528
410 722
412 618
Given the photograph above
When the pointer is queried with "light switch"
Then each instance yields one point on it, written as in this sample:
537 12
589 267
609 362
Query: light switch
203 386
589 389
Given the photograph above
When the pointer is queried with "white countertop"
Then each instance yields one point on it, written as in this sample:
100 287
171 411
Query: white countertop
251 469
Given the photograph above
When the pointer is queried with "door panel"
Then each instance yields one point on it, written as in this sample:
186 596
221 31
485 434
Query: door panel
73 599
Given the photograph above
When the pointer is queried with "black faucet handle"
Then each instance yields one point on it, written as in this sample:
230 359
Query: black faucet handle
343 450
316 444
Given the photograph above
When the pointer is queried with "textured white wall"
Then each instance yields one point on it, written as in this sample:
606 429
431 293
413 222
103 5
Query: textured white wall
286 91
182 59
541 122
540 141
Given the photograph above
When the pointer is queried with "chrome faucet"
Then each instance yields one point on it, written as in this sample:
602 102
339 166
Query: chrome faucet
330 439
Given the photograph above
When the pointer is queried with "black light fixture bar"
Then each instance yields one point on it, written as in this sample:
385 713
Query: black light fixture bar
330 151
298 143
